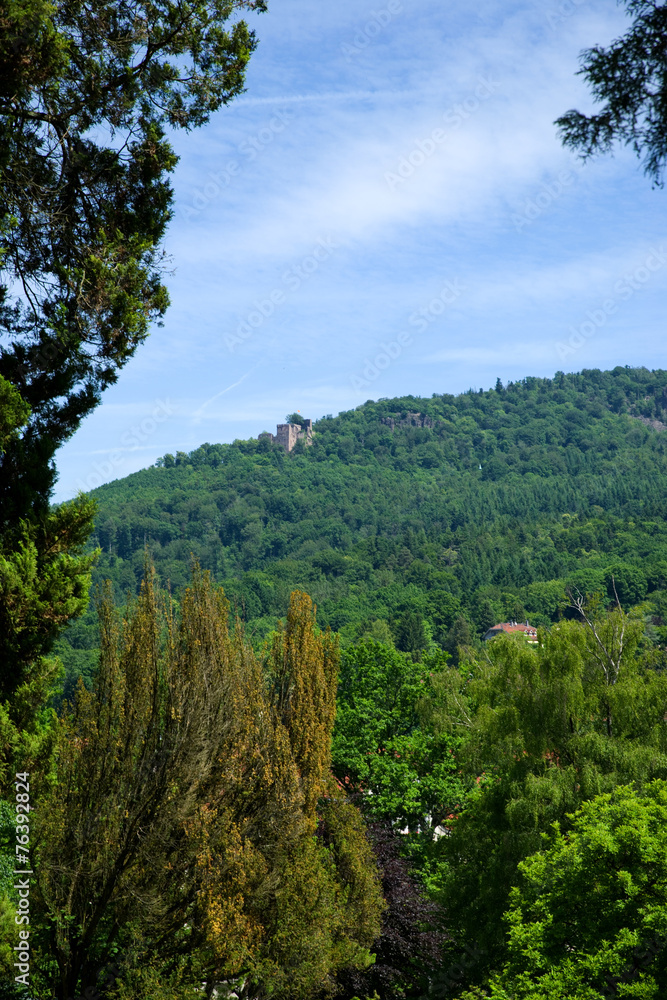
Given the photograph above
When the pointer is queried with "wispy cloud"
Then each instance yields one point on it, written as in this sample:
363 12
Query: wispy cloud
333 96
197 415
406 105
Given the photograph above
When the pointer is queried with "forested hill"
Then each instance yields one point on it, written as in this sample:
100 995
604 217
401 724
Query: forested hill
452 509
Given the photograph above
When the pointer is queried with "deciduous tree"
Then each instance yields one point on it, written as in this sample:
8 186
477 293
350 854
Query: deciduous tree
540 743
175 829
383 743
588 918
408 950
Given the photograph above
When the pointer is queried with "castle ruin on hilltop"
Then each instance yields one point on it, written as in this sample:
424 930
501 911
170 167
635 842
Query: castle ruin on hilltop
287 435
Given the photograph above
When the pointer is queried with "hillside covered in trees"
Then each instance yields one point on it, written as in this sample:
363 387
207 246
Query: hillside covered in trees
422 769
423 520
271 754
414 525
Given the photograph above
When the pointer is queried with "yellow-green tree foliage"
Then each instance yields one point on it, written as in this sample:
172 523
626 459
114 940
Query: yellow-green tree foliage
175 829
303 668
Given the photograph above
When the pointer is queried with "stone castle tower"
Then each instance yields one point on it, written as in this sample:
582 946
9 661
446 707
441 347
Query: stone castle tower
287 435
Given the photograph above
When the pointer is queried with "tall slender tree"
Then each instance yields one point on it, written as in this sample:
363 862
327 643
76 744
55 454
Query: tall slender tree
304 670
176 819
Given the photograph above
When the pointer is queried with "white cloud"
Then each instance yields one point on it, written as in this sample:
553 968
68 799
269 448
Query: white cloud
350 120
530 353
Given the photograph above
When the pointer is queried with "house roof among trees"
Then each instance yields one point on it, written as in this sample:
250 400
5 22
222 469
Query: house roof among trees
522 627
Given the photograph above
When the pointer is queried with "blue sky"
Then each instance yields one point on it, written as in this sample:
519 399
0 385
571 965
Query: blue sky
388 211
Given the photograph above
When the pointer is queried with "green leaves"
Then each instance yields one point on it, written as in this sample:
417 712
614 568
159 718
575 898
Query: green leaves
588 917
539 736
14 413
382 742
191 827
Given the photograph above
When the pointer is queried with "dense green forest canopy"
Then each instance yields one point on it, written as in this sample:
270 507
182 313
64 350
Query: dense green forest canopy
414 518
415 524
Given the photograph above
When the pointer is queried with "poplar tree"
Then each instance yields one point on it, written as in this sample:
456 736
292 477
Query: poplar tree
303 667
175 828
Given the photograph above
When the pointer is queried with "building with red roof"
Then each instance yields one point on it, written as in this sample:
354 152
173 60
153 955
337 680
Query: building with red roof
513 628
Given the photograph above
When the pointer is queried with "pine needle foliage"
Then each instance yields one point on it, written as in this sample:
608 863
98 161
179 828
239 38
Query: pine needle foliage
88 92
